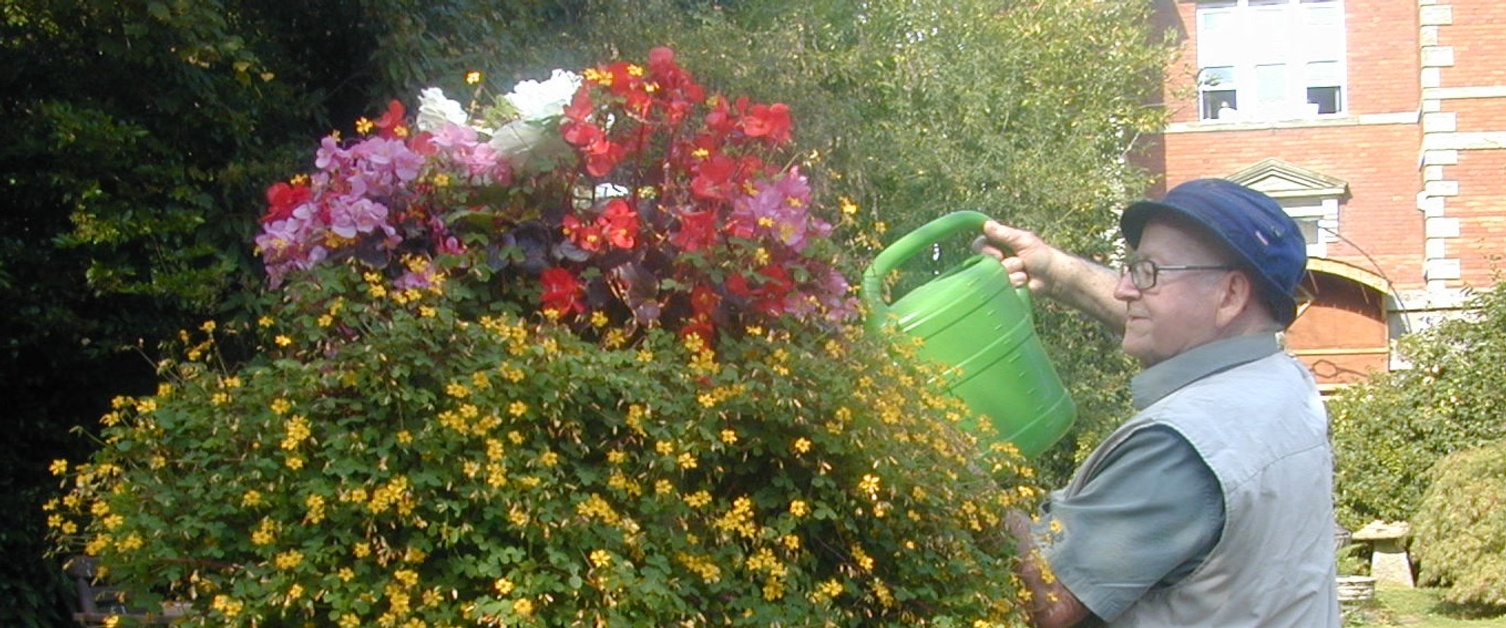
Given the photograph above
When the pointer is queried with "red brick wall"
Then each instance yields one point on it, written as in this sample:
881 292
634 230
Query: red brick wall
1481 210
1478 114
1478 41
1378 161
1383 59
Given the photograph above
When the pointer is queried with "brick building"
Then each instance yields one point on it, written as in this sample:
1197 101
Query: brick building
1380 126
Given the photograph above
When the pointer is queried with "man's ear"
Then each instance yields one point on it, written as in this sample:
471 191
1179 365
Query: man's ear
1236 296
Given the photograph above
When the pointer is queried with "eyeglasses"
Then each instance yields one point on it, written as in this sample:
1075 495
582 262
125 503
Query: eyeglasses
1144 273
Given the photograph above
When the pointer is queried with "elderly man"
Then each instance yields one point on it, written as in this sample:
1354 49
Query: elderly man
1212 505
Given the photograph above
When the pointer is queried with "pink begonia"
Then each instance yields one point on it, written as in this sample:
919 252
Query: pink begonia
348 217
781 209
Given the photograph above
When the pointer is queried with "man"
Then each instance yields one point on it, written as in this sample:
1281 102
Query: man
1211 506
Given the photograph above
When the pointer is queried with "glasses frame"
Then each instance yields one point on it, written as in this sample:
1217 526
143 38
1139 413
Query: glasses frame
1150 270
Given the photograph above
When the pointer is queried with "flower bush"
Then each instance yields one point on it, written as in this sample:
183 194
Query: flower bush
588 381
626 193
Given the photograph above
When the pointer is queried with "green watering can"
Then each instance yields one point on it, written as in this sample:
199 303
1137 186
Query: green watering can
971 318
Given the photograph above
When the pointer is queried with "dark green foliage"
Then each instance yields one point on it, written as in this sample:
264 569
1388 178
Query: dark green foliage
1461 528
138 139
1389 431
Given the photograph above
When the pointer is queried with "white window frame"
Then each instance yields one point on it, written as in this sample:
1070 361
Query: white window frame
1270 39
1321 214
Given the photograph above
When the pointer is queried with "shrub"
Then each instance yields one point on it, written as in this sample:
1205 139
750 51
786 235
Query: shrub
1461 527
503 471
1389 431
446 424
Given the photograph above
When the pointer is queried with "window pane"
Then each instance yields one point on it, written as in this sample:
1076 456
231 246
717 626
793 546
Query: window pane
1326 98
1217 36
1216 77
1322 73
1270 83
1219 104
1309 227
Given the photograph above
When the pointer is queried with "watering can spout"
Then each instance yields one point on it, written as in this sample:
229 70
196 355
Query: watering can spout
972 321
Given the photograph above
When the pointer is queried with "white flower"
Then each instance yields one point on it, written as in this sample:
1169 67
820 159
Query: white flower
529 146
538 101
435 110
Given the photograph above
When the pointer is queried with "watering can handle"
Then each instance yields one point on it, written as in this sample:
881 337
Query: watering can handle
911 244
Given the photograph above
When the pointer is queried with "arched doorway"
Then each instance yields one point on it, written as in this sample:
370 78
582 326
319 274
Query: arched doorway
1342 331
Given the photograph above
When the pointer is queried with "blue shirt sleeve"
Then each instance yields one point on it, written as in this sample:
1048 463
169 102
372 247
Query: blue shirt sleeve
1147 520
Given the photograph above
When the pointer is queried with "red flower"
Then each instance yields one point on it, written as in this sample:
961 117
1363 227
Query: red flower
580 106
619 223
562 292
713 178
585 235
770 121
282 198
393 123
768 290
697 231
704 300
601 153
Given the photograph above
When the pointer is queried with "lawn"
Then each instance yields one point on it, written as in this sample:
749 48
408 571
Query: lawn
1415 608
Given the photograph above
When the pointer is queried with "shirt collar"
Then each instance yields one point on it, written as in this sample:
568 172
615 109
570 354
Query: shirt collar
1189 366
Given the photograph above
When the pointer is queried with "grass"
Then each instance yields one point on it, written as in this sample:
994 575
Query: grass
1416 608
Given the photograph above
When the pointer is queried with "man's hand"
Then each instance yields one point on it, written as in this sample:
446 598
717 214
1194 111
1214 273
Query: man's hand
1052 605
1053 273
1028 260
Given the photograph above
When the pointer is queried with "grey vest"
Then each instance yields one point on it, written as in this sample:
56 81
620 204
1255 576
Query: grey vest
1262 429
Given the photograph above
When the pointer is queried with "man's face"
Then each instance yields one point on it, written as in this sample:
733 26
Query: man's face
1178 312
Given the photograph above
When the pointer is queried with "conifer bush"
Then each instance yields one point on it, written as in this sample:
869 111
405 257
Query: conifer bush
1461 528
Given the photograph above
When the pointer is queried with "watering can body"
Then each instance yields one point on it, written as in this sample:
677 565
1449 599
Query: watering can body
973 321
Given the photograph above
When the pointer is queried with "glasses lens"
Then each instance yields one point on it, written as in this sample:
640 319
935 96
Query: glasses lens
1143 274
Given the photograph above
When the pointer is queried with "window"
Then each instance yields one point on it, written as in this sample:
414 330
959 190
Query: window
1270 59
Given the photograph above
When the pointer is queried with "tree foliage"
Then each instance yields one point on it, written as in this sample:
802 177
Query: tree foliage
1461 527
1389 431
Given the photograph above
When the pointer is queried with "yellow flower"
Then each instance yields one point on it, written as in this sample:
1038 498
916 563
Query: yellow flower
802 445
601 558
347 574
364 125
869 484
58 467
251 498
503 586
523 606
283 340
799 508
265 321
473 77
687 461
729 436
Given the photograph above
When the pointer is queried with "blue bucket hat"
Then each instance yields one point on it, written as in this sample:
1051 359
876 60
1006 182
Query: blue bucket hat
1268 242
